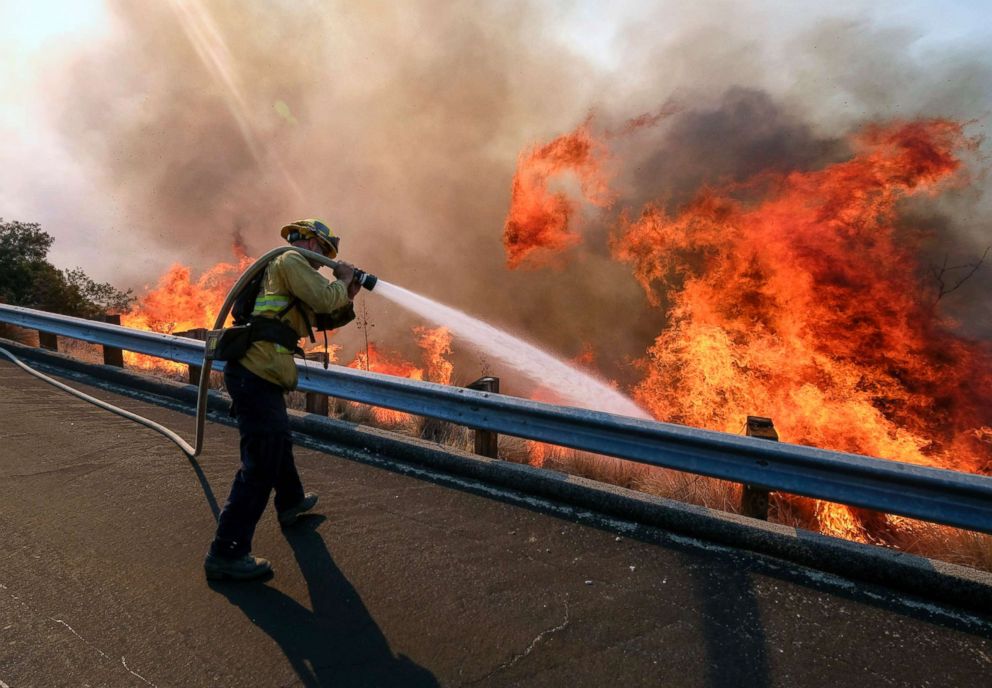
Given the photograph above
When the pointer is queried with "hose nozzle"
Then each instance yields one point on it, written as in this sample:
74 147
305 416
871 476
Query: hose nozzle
366 279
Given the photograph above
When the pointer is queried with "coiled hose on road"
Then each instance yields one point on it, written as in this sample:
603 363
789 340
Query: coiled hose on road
196 448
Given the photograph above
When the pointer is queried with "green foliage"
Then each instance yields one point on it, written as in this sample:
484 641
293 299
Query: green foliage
28 279
103 296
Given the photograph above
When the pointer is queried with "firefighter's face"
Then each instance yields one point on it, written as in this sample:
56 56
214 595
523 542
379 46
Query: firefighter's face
318 246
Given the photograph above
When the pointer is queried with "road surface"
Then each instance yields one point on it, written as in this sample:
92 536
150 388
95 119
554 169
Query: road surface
399 581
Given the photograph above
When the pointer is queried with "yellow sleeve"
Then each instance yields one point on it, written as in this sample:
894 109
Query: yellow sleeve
312 288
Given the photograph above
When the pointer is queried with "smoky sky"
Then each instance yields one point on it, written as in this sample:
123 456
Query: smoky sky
401 123
745 134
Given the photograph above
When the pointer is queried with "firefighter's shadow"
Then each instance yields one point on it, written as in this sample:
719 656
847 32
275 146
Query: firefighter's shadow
338 643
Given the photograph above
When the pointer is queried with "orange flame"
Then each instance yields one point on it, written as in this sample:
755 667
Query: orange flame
376 361
179 303
436 344
586 358
808 307
796 296
389 364
537 226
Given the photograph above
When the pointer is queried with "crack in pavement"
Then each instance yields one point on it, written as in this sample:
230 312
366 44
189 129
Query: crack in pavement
516 658
74 468
133 673
102 653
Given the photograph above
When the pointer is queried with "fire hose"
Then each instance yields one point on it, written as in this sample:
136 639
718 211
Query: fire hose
365 279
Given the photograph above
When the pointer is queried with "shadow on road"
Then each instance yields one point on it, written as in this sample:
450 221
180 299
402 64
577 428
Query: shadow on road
338 643
205 485
732 628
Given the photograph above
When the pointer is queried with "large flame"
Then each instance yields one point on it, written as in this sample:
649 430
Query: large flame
538 224
800 297
808 307
179 303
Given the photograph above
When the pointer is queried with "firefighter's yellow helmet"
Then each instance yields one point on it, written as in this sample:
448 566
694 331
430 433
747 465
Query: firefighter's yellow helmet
304 229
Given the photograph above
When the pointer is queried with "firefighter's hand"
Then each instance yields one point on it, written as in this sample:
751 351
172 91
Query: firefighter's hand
345 272
353 288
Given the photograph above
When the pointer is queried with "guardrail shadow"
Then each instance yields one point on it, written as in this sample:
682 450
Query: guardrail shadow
338 643
732 628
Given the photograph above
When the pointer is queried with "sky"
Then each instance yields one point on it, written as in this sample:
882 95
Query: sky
54 162
40 181
43 180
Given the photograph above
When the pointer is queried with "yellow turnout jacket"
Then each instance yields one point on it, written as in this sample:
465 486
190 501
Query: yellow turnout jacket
286 277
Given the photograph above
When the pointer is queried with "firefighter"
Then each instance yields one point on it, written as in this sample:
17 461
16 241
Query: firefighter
291 293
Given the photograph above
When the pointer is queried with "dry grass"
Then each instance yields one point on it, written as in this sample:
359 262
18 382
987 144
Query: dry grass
83 351
604 469
296 400
948 544
19 335
692 489
446 434
515 449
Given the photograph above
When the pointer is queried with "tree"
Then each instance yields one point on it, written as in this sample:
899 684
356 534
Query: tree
28 279
102 296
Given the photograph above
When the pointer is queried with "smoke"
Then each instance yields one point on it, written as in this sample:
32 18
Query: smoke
401 125
877 73
745 134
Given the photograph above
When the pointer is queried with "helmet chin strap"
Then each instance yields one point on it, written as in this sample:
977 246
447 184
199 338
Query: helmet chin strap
295 238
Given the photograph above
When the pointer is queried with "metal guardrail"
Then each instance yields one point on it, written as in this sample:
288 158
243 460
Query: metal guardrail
930 494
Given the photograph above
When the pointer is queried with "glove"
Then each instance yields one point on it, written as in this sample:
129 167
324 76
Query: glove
345 272
353 289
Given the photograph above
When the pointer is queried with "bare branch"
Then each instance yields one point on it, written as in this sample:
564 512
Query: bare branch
944 272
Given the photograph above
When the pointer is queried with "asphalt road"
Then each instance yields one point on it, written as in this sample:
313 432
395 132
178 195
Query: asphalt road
400 581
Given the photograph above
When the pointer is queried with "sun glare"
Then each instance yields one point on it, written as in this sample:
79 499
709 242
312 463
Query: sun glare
32 25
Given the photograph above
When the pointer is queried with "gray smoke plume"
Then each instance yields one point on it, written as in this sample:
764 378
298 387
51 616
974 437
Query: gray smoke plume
401 123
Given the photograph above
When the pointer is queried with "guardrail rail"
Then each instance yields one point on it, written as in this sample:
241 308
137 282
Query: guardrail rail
937 495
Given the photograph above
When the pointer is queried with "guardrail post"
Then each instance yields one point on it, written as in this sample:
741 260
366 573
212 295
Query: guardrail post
317 403
47 340
486 441
754 498
113 356
199 333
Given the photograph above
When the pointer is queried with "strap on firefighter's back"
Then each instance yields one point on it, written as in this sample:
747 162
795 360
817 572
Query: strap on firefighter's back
232 343
274 330
267 324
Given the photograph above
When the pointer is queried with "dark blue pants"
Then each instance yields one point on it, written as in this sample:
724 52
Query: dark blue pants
266 460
